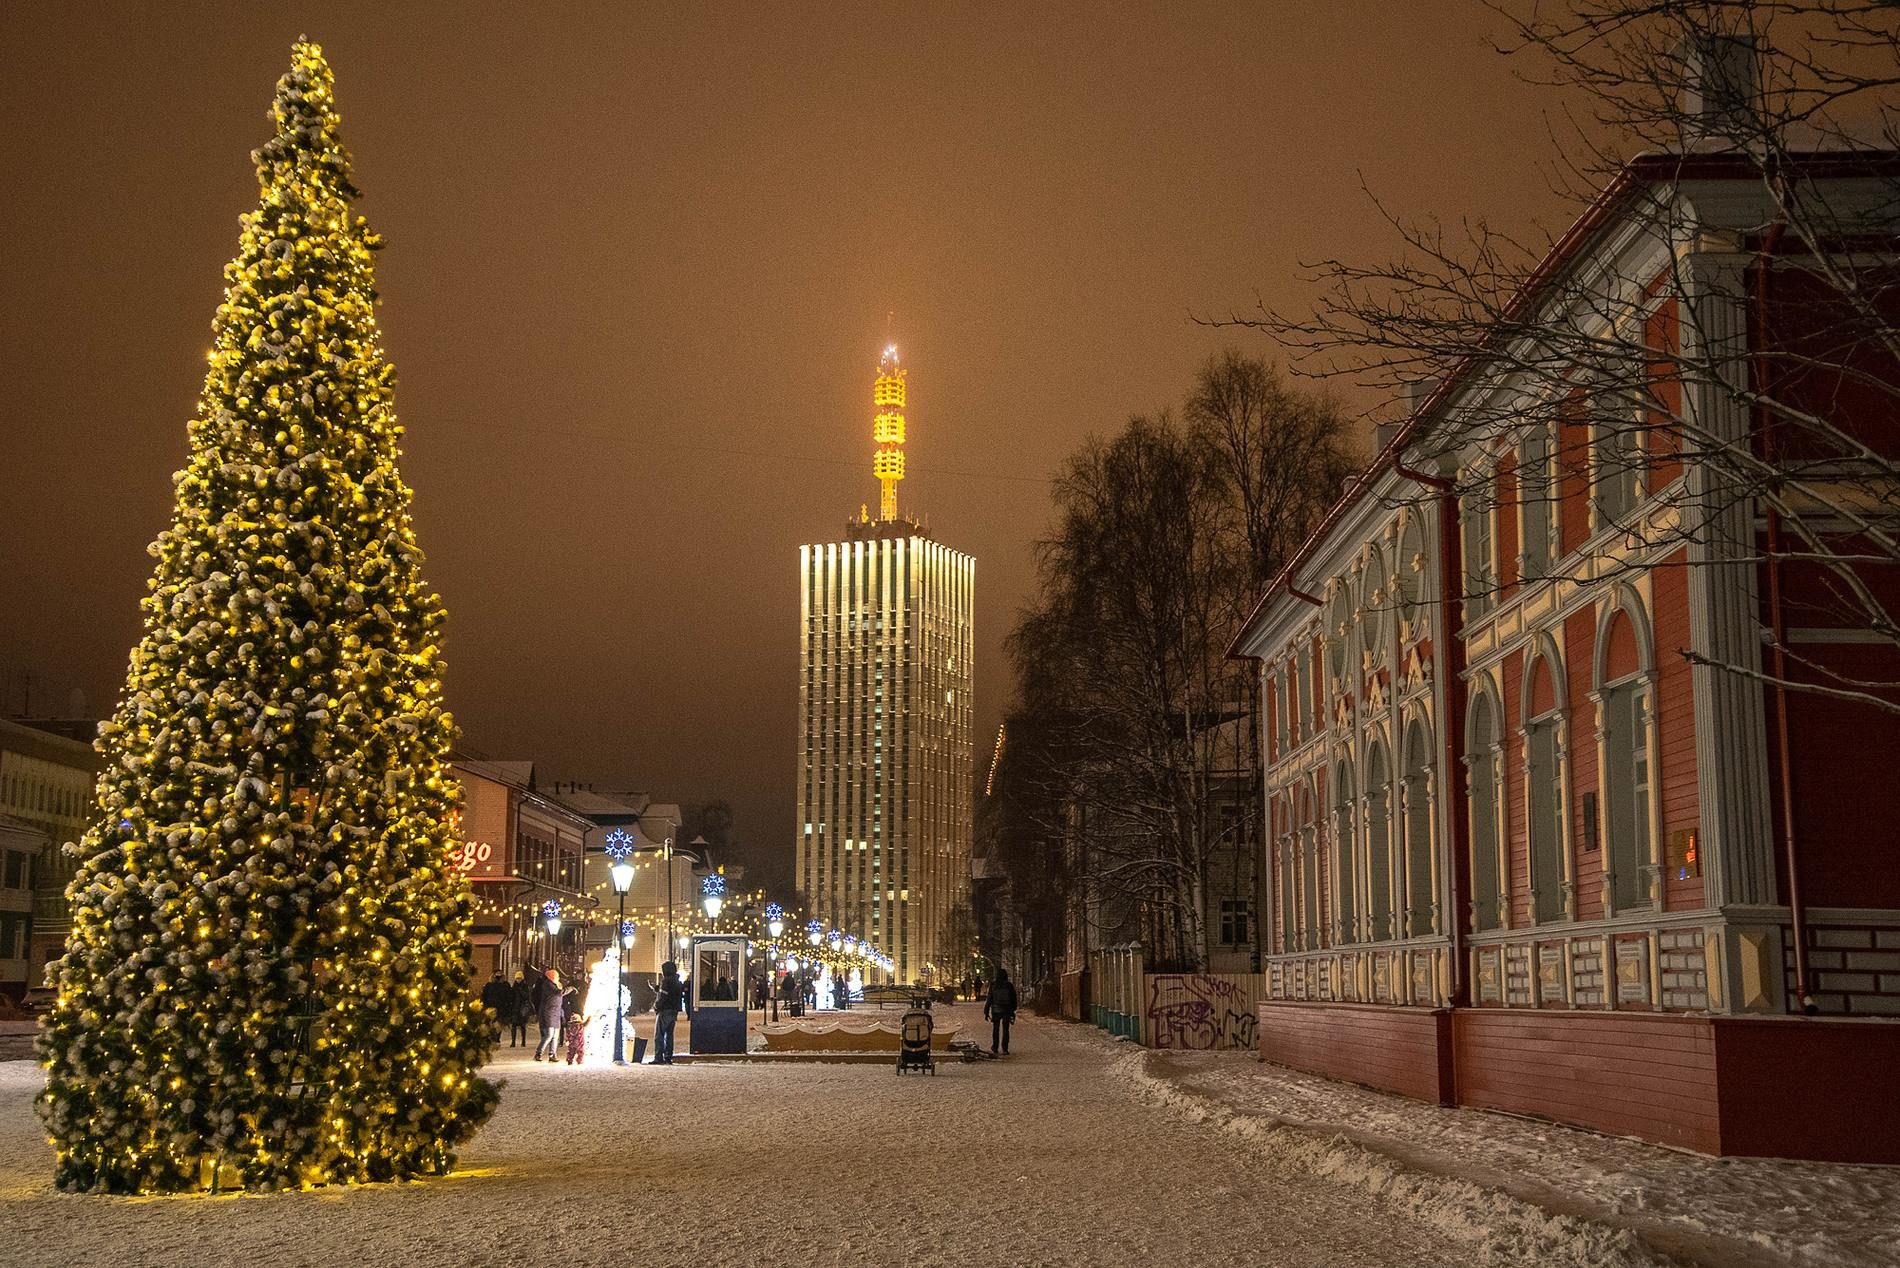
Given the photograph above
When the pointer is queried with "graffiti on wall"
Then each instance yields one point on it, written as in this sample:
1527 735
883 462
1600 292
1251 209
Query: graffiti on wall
1199 1012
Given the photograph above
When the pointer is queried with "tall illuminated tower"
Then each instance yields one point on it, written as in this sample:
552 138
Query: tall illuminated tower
887 429
885 759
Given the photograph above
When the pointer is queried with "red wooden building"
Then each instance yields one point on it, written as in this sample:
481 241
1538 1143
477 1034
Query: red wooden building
1544 834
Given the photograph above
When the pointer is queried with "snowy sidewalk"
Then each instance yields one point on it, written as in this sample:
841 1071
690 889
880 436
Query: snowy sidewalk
1492 1173
1045 1158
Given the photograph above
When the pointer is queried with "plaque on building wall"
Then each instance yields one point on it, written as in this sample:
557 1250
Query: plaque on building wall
1589 814
1685 856
1550 973
1490 976
1632 971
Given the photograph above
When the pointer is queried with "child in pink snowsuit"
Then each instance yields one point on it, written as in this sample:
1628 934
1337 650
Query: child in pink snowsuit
576 1029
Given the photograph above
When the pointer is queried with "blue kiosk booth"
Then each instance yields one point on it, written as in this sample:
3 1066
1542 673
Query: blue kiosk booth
718 968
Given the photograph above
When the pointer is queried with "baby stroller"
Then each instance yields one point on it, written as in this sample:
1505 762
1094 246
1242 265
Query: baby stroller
913 1043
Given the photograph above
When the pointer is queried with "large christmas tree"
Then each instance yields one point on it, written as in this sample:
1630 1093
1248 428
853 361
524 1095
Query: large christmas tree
266 983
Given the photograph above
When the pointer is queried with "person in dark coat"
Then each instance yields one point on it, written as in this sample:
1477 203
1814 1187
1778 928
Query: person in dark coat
520 1010
499 998
1000 1008
550 1010
668 998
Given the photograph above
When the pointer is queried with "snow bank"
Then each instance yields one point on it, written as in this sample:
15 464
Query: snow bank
1527 1188
1499 1226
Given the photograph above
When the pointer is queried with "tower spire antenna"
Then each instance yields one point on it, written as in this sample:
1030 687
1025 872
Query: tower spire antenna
887 424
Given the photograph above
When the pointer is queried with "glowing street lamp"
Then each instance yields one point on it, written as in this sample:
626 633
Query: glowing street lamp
774 926
713 895
619 851
551 921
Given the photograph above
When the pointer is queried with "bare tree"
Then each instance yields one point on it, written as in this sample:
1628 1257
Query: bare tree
1740 404
1164 531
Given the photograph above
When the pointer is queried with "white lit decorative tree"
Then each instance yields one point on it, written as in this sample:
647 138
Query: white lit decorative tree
266 982
602 977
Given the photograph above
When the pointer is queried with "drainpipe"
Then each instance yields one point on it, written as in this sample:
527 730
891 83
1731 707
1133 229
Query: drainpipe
1777 619
1451 655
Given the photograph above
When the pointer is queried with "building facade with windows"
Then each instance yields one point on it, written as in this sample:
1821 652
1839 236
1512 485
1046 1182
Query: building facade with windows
885 763
46 785
21 847
1541 837
521 849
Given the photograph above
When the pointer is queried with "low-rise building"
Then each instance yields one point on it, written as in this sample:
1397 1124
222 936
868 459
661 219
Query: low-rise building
22 845
1544 834
522 849
46 786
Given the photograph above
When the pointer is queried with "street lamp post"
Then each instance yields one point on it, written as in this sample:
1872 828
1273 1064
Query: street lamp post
620 868
774 926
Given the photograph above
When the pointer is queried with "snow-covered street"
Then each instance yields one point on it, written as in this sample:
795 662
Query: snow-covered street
1077 1150
1047 1158
1530 1190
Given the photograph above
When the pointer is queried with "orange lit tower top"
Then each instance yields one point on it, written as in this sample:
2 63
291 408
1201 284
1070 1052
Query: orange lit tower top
887 429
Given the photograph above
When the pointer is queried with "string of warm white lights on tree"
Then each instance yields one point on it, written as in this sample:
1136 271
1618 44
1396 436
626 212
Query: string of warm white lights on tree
266 983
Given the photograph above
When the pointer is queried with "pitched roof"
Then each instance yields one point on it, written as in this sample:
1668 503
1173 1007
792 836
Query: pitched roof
1642 172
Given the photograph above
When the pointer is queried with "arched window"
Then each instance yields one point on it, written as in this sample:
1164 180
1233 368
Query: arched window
1477 505
1289 904
1482 755
1378 843
1306 669
1543 785
1421 888
1276 707
1627 710
1619 416
1537 501
1296 704
1309 871
1345 875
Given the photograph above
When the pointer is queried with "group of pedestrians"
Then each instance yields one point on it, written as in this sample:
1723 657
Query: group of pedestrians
539 999
542 999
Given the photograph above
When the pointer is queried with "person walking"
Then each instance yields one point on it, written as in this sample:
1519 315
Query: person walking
1000 1008
499 998
520 1010
548 1008
668 998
